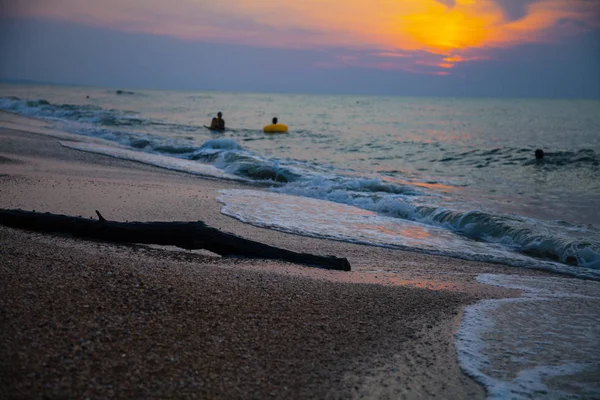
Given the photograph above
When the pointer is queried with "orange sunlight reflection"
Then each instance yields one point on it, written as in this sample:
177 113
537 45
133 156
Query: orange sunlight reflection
436 186
428 185
405 231
437 33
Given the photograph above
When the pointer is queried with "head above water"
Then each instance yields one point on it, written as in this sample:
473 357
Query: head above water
219 114
539 154
274 120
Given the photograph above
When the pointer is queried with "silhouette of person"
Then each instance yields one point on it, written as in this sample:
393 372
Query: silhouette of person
274 120
218 123
539 154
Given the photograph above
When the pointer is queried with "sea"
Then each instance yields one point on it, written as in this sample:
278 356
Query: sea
447 176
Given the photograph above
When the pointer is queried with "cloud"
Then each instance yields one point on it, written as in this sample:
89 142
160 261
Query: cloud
55 51
454 31
514 9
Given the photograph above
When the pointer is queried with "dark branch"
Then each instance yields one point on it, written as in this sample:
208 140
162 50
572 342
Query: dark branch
187 235
100 217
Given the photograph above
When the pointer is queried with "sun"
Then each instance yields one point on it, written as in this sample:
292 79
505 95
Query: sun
446 29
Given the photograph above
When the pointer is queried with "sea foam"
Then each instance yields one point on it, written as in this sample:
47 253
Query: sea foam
543 345
326 219
171 163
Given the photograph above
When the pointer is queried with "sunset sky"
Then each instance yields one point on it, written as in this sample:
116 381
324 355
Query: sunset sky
411 47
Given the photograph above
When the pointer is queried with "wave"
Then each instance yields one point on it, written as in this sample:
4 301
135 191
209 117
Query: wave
223 153
230 156
370 194
85 113
330 220
89 114
483 158
566 244
548 240
171 163
554 322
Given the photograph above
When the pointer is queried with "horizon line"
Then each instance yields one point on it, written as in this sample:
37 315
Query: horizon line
34 82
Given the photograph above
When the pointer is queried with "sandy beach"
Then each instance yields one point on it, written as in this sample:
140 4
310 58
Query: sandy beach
83 319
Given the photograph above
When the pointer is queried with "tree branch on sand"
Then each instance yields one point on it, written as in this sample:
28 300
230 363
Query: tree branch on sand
187 235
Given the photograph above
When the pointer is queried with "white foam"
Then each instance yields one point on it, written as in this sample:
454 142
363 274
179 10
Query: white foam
546 239
545 344
172 163
367 193
326 219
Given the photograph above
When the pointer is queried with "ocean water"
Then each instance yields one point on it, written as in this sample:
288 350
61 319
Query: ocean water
458 176
454 177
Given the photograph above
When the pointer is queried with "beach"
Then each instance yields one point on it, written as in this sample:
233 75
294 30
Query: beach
84 319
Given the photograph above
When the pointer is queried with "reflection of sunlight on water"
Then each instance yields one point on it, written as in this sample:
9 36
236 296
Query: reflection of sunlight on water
341 208
442 187
411 231
436 186
326 219
333 220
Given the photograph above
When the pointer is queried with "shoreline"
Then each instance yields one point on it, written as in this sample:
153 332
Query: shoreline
93 319
383 330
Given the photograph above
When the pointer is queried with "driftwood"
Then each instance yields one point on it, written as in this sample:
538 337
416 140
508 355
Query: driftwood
187 235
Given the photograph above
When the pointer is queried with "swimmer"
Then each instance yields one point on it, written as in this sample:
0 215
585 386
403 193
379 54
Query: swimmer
218 123
539 154
275 127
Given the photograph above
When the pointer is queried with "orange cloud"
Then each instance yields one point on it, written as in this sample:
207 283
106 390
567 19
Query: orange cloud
454 33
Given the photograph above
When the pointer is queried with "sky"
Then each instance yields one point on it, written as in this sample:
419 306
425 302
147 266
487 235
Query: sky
505 48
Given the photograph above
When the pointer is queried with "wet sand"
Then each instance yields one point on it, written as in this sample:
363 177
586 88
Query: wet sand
87 319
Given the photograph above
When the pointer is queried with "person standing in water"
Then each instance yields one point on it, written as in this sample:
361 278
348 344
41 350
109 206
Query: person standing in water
218 123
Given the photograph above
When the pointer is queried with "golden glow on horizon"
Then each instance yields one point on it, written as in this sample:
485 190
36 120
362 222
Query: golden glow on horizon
443 29
403 32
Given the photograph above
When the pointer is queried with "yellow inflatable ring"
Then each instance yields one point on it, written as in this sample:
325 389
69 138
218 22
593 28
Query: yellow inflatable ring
275 128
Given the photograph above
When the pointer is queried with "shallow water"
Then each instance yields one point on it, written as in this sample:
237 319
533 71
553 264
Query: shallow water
544 345
463 168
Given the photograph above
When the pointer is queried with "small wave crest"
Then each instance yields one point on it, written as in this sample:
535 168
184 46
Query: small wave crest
230 156
330 220
221 144
86 113
567 244
262 171
367 193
